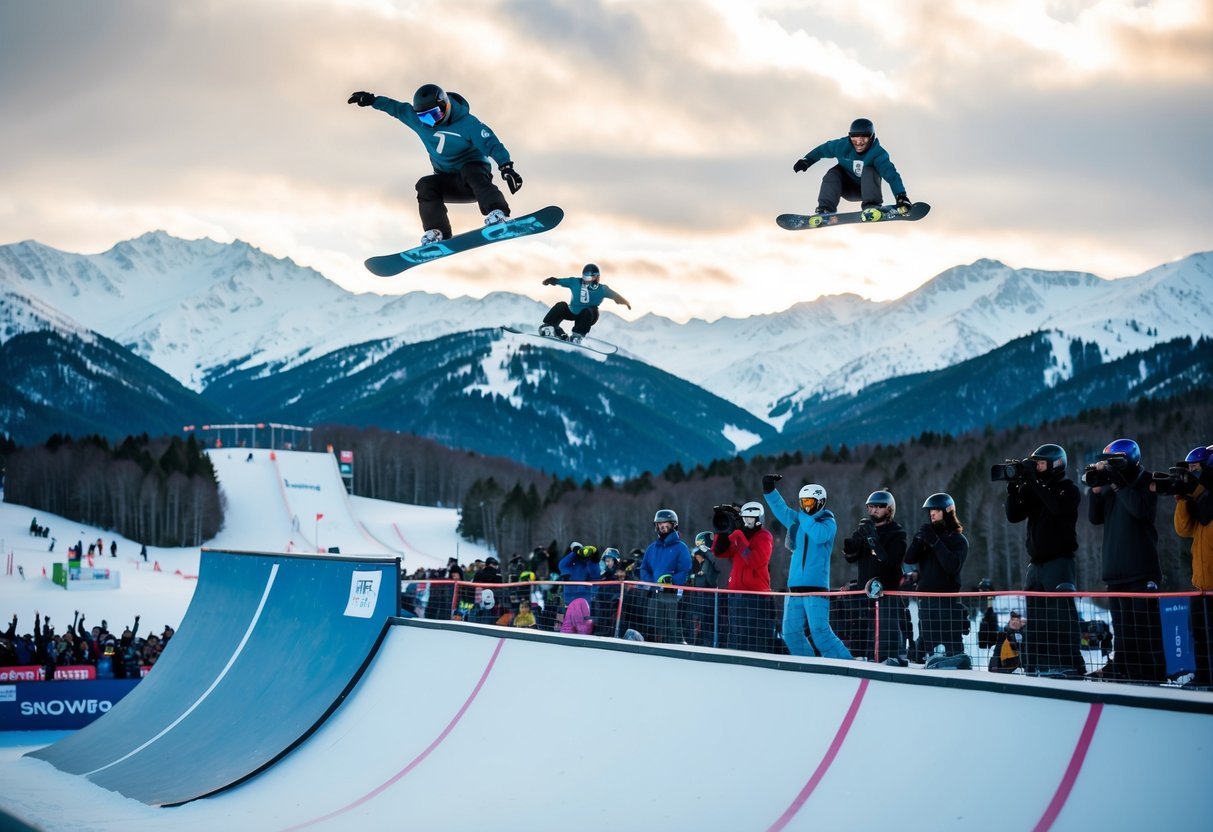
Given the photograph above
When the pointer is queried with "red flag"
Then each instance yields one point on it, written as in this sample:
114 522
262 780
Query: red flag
319 516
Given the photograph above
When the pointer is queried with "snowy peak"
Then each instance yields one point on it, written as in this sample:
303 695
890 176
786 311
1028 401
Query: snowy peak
199 309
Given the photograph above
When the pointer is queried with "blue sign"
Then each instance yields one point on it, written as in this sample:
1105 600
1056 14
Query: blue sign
1177 636
58 706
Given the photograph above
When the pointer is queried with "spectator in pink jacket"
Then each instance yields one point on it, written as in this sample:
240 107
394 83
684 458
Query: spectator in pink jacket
577 618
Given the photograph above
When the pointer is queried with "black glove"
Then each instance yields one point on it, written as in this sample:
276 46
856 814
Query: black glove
511 177
362 99
768 482
549 281
927 534
801 165
903 203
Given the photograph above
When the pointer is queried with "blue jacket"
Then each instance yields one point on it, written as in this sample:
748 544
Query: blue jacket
666 556
578 569
810 566
586 294
461 139
853 162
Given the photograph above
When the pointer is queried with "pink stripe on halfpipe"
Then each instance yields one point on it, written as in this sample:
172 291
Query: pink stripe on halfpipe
416 761
822 767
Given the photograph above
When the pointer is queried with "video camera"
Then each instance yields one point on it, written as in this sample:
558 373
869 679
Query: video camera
726 518
1178 481
1094 476
1013 469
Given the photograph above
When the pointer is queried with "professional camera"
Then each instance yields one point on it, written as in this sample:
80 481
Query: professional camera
726 518
1093 476
1012 469
1178 481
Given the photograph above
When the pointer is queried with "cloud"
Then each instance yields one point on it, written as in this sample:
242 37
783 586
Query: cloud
1045 133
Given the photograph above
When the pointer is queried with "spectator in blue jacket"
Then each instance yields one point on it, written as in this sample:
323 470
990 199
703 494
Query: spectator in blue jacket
667 561
811 532
580 563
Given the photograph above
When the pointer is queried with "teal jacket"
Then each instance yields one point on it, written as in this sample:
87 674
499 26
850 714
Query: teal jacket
587 294
853 162
461 139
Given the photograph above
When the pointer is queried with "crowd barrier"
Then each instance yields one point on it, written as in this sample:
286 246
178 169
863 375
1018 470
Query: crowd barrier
1156 636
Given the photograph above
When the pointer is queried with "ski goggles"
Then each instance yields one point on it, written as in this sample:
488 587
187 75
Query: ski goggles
809 504
431 116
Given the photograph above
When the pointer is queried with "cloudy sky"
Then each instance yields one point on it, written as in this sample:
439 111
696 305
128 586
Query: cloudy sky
1058 134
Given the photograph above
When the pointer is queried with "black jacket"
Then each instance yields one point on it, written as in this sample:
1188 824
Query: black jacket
939 554
1051 509
883 561
1130 536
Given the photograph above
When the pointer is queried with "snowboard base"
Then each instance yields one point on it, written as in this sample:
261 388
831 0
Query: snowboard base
885 213
590 343
536 222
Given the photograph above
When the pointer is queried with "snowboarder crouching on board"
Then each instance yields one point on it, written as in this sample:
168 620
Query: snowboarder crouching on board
862 164
460 146
588 295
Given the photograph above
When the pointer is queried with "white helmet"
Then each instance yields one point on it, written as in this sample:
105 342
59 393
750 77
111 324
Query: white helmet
755 510
813 498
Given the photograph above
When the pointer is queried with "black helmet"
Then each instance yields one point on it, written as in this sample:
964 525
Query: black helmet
883 498
1055 455
940 500
590 273
862 127
430 103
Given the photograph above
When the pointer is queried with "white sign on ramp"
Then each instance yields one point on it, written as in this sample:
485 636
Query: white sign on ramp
364 592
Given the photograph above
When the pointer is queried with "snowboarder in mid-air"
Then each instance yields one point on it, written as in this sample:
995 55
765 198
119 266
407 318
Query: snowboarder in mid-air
582 309
460 146
862 164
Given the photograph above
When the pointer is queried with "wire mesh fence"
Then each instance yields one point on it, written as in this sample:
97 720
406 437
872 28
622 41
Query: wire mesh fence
1157 638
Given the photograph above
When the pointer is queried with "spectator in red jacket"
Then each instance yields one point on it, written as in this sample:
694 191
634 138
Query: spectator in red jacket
749 547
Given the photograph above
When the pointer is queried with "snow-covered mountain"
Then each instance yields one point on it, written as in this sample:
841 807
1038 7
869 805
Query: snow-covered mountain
200 310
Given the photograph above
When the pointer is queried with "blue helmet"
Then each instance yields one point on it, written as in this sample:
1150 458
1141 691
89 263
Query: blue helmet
1199 454
1126 447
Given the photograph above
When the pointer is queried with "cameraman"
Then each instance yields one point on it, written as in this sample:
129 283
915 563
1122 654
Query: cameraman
1194 519
749 548
1048 499
877 548
1127 509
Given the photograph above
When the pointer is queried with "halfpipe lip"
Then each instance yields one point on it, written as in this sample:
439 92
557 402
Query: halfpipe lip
1077 690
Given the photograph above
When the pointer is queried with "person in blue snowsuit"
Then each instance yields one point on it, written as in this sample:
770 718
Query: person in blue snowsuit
667 562
813 528
862 164
588 294
460 147
580 563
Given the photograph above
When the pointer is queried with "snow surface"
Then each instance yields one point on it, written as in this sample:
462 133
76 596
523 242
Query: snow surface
259 517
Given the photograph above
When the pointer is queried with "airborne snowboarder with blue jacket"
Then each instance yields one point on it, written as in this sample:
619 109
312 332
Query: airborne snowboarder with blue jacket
460 147
812 530
588 294
862 164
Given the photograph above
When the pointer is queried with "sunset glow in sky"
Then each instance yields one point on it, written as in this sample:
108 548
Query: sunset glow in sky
1056 134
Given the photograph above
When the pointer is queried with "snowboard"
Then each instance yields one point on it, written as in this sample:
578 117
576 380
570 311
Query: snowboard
885 213
590 344
537 222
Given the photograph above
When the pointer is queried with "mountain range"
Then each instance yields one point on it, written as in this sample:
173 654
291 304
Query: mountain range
233 331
